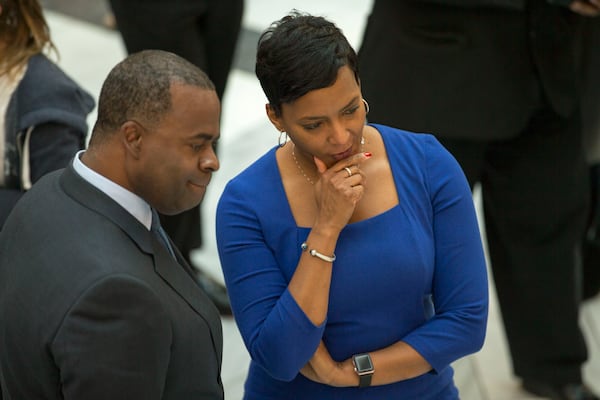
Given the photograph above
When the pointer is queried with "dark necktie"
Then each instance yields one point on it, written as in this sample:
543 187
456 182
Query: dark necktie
160 233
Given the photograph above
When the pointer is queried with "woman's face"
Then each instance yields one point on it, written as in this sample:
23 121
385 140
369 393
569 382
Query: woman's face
326 123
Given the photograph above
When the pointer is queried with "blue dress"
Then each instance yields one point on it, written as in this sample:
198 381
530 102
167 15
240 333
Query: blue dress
415 273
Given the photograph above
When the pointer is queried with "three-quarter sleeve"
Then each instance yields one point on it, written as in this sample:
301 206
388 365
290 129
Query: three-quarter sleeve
459 287
277 333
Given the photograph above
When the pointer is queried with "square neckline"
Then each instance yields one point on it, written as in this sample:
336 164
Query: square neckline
351 224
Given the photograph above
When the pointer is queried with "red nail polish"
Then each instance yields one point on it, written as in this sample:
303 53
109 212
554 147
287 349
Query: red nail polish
367 154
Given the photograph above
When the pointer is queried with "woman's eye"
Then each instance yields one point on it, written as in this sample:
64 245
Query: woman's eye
351 111
311 127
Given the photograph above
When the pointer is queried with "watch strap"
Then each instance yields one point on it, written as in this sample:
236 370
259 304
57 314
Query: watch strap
364 380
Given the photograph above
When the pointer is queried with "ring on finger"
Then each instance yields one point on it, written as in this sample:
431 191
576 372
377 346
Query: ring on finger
349 171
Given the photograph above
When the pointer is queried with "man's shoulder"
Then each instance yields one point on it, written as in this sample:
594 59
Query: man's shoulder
43 206
42 191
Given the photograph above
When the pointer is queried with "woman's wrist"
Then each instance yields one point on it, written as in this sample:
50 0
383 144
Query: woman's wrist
323 233
346 376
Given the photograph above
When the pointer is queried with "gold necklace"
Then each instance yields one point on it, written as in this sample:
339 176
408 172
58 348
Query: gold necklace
362 145
299 166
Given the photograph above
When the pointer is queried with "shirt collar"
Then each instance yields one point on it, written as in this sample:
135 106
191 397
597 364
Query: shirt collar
131 202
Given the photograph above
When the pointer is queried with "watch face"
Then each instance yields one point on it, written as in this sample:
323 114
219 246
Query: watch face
363 363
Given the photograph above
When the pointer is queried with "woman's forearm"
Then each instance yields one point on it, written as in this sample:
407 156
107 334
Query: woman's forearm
391 364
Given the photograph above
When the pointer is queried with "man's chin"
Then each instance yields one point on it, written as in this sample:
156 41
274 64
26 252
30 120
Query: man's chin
181 208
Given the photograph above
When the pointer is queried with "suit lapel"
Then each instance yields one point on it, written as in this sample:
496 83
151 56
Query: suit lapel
93 198
177 274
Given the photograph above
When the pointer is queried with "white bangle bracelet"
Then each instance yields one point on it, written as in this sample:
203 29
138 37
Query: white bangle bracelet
315 253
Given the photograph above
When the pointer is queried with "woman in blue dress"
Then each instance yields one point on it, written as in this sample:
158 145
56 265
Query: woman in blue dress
351 252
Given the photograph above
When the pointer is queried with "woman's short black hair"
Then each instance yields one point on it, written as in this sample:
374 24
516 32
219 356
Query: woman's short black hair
300 53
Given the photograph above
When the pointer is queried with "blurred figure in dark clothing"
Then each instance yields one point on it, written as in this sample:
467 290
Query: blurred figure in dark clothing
43 112
497 81
204 32
591 135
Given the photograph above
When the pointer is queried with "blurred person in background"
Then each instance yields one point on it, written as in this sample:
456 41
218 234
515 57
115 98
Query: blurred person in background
498 83
591 134
42 111
204 32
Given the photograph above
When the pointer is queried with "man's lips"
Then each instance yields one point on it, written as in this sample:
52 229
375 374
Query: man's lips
199 184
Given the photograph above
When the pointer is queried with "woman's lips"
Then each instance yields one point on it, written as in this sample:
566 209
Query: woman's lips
345 154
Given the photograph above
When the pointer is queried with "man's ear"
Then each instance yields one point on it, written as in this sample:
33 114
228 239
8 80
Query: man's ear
275 120
131 135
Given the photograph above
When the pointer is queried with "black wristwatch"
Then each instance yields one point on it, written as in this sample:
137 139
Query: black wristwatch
364 368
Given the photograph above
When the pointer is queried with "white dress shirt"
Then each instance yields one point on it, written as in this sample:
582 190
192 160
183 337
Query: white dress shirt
131 202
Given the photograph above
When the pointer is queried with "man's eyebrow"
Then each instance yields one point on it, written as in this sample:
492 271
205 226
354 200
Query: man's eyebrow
205 136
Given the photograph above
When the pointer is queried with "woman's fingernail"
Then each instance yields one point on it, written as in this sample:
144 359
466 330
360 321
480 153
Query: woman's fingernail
367 154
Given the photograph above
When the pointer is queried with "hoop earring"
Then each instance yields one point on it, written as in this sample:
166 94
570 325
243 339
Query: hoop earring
283 138
366 105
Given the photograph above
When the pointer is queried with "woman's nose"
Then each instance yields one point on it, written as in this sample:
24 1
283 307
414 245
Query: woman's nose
339 134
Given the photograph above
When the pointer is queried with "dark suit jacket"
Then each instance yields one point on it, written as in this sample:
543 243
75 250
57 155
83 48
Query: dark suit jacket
92 306
475 69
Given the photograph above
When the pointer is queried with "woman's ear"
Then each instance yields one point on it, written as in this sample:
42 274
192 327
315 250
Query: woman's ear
131 135
275 120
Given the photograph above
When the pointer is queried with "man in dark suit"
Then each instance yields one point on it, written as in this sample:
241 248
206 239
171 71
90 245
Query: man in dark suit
497 82
95 301
204 32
